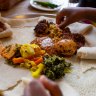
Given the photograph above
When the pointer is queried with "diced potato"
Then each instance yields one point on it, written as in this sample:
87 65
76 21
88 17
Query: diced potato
27 50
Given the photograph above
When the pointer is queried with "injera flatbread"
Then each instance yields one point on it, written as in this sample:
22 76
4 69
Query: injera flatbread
84 82
22 33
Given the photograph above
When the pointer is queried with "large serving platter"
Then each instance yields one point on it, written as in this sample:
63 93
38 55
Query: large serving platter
23 34
73 84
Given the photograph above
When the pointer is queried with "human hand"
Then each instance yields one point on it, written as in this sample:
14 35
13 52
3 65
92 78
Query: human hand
39 87
70 15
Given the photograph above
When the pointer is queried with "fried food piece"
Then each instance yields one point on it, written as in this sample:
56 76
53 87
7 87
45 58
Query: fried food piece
66 30
65 47
79 39
67 36
76 37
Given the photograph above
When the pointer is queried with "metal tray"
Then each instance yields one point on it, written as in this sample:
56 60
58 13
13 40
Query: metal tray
33 15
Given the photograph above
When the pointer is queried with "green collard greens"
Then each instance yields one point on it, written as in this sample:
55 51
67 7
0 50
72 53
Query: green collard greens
55 67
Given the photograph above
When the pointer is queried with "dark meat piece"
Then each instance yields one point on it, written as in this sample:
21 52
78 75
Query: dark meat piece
2 27
79 39
66 30
67 33
67 36
41 28
76 37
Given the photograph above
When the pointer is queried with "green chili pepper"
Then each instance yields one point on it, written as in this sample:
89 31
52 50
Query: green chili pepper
46 4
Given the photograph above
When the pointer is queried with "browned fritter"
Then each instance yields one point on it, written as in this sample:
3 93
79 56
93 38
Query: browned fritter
67 36
79 39
41 28
66 30
65 47
76 37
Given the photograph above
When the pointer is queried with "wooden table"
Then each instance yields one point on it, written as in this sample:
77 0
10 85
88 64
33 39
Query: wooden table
25 8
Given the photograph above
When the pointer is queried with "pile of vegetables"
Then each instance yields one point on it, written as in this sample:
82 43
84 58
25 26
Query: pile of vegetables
26 55
55 67
32 57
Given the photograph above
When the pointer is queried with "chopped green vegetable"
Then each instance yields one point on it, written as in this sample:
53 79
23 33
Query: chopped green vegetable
55 66
47 4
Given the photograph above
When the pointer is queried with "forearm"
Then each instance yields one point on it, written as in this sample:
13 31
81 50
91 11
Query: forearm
90 14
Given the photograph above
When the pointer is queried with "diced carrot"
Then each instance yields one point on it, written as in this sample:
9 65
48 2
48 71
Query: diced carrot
18 60
40 60
35 58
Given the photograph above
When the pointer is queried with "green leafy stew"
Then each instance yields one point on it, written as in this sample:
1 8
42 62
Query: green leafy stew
55 67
